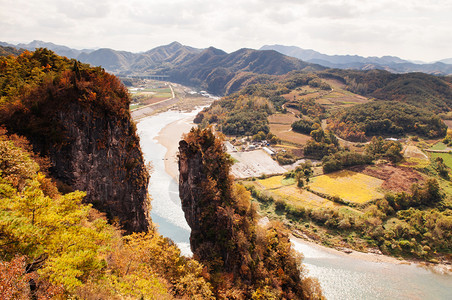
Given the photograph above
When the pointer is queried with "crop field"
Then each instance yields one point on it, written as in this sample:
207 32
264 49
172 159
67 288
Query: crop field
284 133
439 146
348 185
286 119
448 123
285 189
275 182
414 157
302 198
147 95
280 125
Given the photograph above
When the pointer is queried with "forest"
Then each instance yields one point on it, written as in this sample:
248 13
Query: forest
386 119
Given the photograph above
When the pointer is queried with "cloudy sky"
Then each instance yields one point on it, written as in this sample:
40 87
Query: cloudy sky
410 29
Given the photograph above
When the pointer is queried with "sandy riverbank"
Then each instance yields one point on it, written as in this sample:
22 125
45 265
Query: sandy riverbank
169 137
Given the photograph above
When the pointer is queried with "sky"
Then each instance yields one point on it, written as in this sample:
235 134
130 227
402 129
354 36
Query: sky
410 29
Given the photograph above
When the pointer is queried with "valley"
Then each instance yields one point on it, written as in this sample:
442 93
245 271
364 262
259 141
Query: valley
353 160
357 273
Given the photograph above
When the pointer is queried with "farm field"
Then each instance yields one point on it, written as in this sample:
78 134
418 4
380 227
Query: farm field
439 146
302 198
448 123
148 93
348 185
284 189
280 125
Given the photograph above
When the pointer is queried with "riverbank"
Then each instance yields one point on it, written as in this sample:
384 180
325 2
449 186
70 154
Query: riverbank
169 138
374 257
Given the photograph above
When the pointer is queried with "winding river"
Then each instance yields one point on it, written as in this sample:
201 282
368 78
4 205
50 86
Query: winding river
341 276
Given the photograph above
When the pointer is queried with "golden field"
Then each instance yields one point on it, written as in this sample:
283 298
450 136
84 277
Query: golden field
348 185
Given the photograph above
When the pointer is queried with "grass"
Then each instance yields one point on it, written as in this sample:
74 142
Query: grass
447 158
348 185
439 146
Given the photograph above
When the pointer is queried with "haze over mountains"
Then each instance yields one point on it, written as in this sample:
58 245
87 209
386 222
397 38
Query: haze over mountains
389 63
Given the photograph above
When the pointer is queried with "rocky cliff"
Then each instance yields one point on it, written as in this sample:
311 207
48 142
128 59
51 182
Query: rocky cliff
79 118
246 261
103 158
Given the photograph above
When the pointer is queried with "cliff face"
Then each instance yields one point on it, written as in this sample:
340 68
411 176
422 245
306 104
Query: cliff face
191 178
78 117
98 153
103 158
248 261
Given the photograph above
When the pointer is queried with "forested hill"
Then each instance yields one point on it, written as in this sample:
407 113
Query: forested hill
6 50
216 71
425 91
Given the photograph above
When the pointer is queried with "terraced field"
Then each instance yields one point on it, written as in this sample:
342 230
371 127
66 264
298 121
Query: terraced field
280 125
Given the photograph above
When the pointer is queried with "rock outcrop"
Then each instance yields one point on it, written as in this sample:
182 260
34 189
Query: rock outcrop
246 260
104 159
78 117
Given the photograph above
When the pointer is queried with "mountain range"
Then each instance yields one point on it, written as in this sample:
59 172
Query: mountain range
175 53
222 73
389 63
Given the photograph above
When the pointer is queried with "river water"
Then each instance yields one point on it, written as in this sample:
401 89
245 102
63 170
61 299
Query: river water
341 277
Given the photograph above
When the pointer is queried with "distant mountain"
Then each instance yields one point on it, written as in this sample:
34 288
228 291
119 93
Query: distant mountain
8 50
58 49
446 61
111 60
154 61
389 63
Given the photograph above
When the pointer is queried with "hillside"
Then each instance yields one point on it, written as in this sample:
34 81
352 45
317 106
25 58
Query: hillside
217 71
419 89
7 50
389 63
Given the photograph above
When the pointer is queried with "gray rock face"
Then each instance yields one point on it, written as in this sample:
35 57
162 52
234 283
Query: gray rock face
191 175
102 157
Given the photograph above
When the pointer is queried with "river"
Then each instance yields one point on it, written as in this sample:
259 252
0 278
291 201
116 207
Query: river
341 276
